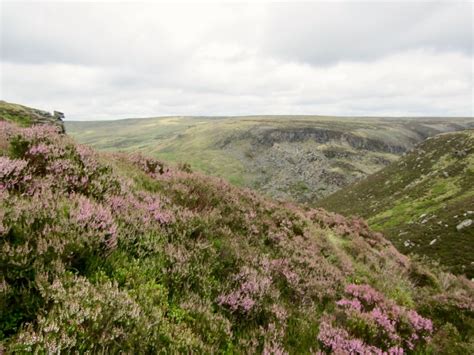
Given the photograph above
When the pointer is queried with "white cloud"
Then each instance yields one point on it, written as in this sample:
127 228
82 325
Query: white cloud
103 60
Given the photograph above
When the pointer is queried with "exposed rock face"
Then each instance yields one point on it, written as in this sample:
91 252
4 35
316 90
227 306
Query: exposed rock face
289 169
307 163
269 137
44 117
321 136
58 115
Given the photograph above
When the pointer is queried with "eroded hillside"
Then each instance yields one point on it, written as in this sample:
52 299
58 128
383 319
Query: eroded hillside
424 202
300 158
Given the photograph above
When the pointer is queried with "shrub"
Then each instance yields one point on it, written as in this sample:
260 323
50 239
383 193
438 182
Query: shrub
365 321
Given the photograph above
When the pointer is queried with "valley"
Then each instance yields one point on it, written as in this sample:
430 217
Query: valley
401 174
296 158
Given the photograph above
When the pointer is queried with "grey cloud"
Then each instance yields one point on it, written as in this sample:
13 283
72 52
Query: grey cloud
333 32
84 33
319 33
97 60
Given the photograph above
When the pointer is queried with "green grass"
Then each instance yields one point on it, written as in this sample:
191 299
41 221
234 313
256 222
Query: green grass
26 116
421 198
15 113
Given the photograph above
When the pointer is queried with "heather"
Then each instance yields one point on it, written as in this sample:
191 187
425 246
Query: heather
121 252
368 315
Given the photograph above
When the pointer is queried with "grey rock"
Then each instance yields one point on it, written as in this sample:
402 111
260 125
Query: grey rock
464 224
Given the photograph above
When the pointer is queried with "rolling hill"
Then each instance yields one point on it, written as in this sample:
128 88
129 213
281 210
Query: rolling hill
117 252
424 202
299 158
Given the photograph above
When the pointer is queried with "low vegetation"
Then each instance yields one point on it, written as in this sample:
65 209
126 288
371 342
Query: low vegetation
424 203
116 252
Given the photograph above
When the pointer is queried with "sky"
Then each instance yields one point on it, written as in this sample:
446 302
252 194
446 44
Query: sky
109 60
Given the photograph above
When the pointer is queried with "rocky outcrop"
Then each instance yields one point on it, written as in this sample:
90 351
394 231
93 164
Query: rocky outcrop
44 117
58 115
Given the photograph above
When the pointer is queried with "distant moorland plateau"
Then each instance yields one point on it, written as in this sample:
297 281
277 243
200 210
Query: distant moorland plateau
299 158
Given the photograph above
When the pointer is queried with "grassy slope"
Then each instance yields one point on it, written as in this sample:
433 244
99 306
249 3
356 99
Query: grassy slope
108 252
26 116
15 113
419 200
286 163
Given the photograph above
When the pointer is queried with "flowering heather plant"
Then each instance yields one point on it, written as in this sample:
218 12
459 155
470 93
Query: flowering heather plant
250 292
340 342
99 316
95 221
353 228
369 323
54 160
137 214
42 233
77 306
12 174
148 165
273 344
134 256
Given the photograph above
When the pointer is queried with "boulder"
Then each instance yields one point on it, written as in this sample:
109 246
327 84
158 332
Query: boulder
464 224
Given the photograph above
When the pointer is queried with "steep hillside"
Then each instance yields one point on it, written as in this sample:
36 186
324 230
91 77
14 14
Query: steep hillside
27 116
424 203
112 252
300 158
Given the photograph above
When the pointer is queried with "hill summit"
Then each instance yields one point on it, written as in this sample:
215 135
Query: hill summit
120 252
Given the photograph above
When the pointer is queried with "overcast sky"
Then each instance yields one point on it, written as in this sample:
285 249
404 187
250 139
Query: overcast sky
110 60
